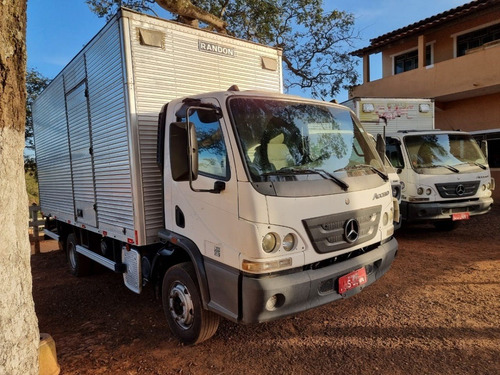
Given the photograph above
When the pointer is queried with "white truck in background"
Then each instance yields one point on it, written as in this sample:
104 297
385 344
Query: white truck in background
250 205
444 176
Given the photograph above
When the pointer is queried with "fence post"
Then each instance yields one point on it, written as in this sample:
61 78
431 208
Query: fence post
35 223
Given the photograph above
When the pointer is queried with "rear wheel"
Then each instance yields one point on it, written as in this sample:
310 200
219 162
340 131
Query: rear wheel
186 317
79 265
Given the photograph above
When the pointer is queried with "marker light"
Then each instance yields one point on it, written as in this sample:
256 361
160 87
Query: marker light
265 266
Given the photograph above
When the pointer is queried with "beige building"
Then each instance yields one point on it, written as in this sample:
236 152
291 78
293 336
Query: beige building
453 58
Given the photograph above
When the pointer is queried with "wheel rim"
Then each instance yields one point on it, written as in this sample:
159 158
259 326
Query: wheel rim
181 305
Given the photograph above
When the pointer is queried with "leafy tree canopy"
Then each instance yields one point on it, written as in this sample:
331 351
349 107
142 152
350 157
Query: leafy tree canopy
35 83
315 43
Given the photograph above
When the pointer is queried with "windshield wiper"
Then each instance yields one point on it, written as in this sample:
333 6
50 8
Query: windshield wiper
477 164
321 172
330 176
372 168
453 169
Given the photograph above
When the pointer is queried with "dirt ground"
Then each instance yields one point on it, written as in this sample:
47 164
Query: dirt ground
437 311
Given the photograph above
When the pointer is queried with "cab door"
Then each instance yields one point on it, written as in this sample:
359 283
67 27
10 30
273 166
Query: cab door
207 218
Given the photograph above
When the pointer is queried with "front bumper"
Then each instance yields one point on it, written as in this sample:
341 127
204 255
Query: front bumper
414 212
307 289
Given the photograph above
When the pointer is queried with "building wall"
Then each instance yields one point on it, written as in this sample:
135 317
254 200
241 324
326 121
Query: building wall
443 41
468 76
482 112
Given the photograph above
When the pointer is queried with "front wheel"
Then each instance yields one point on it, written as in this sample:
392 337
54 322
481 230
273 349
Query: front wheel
186 317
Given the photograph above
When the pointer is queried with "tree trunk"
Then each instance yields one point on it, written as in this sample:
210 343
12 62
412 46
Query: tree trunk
19 335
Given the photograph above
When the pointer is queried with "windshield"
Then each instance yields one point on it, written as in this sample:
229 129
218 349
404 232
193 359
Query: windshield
454 152
289 140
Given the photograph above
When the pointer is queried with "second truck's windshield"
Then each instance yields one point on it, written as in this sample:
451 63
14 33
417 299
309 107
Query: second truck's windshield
453 152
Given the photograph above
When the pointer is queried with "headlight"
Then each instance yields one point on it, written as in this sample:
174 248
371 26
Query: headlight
385 219
420 191
289 242
269 242
428 191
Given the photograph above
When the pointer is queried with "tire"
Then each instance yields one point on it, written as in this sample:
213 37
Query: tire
79 265
447 225
188 320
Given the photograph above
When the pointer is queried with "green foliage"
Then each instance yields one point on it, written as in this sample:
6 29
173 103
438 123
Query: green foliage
315 43
35 83
32 187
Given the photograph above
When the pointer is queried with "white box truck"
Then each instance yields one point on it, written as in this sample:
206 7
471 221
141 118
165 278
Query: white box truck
250 205
445 176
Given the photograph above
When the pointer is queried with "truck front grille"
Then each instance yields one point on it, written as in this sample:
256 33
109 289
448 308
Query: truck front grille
334 232
458 189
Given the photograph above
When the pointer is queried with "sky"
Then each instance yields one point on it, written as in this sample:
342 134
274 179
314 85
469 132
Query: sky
58 29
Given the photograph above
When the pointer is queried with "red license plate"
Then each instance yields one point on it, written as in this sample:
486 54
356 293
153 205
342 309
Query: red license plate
460 216
352 280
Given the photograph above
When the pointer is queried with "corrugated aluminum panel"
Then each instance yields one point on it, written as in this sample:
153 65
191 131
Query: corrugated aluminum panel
110 140
52 152
74 73
180 68
127 84
81 157
70 181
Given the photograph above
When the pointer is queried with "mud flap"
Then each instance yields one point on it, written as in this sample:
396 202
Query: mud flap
133 276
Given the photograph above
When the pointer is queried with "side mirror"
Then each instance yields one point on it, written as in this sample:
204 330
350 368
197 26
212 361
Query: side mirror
484 148
183 151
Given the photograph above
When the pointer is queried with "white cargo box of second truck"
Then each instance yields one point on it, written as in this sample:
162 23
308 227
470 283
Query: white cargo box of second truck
402 114
109 96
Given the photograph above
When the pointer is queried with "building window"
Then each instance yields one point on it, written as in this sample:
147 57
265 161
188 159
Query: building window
409 60
494 153
477 38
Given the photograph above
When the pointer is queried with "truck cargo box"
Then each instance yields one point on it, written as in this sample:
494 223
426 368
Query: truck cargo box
96 123
402 114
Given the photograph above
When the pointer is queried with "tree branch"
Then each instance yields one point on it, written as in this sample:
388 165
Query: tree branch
186 9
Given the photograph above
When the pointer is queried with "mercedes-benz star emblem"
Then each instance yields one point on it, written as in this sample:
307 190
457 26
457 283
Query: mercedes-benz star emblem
351 230
460 190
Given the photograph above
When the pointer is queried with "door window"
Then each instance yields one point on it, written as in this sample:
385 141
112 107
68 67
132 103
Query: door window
212 153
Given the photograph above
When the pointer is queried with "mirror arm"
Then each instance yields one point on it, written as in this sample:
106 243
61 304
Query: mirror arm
219 186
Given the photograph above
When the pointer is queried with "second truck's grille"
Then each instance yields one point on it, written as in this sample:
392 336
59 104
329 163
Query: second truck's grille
458 189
